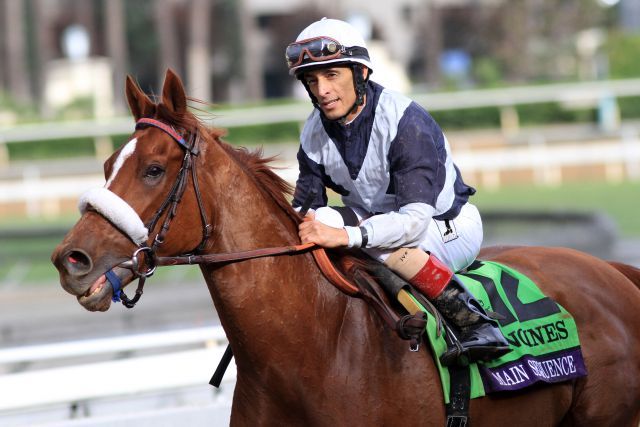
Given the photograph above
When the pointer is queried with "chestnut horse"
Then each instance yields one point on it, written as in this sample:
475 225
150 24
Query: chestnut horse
306 353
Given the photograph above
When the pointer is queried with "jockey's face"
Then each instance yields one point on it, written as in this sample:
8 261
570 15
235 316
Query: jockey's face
333 88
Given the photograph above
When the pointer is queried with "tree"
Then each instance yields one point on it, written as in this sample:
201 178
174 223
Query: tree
167 32
117 48
15 47
198 69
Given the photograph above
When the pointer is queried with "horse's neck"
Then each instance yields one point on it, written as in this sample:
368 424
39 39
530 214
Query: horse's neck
259 300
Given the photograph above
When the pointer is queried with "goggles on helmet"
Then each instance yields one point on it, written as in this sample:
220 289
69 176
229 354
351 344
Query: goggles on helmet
319 49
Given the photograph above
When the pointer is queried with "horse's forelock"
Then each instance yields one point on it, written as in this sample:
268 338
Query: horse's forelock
188 121
179 120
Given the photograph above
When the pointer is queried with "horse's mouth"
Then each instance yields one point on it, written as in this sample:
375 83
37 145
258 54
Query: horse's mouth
98 296
97 286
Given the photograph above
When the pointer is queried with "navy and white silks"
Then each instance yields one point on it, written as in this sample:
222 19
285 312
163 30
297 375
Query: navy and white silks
392 166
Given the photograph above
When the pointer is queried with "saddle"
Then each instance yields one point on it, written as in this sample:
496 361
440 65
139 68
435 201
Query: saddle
357 275
544 341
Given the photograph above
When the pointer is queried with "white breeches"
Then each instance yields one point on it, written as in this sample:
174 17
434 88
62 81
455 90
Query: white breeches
457 246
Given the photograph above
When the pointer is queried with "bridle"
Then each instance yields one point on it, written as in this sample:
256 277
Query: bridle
146 268
168 206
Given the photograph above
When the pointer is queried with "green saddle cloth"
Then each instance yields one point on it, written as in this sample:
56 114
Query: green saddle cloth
542 334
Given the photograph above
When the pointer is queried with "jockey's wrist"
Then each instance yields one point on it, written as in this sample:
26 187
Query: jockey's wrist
365 237
358 237
355 236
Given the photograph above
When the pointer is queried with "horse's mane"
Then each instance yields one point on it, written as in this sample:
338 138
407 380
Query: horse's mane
258 167
253 162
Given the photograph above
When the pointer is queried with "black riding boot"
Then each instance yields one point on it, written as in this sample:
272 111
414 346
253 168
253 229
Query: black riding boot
479 334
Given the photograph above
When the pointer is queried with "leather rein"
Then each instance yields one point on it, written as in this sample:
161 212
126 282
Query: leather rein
151 261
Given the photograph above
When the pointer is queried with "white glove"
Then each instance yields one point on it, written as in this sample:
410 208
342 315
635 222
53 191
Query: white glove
330 217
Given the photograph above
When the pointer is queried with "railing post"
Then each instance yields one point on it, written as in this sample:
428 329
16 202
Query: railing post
103 147
31 179
4 153
509 120
544 169
631 151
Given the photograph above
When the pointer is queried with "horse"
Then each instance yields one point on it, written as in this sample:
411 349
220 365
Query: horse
306 352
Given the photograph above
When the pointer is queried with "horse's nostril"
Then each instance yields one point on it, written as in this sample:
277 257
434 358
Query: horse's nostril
77 262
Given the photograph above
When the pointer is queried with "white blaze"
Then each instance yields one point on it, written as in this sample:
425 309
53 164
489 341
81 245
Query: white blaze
125 153
112 206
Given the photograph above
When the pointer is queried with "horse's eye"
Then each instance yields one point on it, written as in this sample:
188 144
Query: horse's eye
154 171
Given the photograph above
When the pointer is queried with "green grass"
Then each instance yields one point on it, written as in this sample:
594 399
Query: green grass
263 134
619 201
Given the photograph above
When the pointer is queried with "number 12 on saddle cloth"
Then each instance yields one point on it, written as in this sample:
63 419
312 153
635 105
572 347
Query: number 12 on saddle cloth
542 334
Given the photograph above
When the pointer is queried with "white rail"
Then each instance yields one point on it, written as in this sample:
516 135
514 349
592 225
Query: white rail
123 377
566 93
82 383
205 335
620 158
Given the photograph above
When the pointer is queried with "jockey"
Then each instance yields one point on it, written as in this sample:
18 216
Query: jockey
405 201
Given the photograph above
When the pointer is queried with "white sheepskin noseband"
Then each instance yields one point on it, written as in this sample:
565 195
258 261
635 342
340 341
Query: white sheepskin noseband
116 210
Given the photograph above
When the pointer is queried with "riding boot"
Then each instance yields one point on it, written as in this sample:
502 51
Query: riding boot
478 334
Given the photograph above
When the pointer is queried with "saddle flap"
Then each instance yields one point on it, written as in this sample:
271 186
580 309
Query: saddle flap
335 277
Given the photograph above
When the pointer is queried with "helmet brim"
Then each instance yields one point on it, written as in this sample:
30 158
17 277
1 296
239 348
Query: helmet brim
326 64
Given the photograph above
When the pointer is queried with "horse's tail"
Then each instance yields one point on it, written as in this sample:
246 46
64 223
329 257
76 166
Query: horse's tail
632 273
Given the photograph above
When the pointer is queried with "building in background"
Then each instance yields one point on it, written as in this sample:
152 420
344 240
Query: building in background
232 50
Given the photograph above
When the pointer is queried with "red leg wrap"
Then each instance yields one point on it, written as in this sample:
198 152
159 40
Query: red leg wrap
432 278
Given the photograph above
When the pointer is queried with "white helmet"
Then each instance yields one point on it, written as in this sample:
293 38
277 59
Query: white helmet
324 42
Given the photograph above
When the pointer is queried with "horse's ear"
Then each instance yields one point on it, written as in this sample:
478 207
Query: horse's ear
139 103
173 95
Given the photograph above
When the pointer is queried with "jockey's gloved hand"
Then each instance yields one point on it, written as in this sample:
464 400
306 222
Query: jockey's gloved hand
329 216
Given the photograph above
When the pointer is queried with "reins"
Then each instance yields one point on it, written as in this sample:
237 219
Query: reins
224 258
230 257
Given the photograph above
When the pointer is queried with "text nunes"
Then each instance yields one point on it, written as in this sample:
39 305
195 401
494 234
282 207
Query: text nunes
539 335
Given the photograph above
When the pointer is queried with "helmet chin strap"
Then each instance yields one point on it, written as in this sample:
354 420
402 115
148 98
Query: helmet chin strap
359 85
